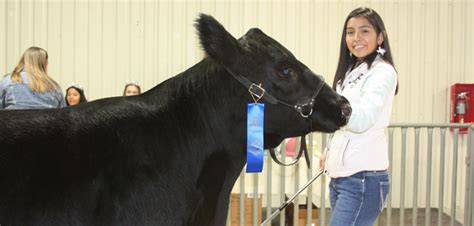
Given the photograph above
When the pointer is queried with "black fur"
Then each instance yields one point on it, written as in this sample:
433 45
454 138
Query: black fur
167 157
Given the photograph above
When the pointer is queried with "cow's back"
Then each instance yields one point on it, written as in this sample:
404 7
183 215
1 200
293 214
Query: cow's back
99 163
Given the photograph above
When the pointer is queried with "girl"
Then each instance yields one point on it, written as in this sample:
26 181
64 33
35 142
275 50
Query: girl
357 155
75 95
131 89
29 86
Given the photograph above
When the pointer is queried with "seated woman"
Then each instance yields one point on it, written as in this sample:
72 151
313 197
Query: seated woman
132 88
75 95
29 86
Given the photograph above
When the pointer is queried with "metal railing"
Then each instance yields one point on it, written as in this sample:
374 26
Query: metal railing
430 171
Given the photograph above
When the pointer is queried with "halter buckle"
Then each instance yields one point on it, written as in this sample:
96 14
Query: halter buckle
306 116
256 91
299 108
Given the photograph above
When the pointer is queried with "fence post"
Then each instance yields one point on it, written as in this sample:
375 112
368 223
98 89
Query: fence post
453 176
390 157
442 156
322 213
402 176
256 210
242 199
269 187
282 184
428 177
468 207
415 176
309 199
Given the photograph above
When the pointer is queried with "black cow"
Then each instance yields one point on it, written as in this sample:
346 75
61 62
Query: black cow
167 157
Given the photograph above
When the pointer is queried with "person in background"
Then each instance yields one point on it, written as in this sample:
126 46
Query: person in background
356 158
30 86
75 95
132 88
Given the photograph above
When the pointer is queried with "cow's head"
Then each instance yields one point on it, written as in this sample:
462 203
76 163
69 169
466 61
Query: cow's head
261 59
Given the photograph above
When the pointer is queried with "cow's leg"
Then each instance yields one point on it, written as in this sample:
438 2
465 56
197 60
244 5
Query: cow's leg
215 182
222 209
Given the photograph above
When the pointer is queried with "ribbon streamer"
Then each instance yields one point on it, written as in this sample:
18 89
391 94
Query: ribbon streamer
255 112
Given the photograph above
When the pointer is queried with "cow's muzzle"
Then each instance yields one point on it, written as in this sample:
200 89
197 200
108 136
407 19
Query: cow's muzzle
346 110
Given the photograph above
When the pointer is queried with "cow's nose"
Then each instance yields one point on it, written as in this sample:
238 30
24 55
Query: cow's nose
346 111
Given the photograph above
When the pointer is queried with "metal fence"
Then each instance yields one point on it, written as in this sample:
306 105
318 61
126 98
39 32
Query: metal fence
430 171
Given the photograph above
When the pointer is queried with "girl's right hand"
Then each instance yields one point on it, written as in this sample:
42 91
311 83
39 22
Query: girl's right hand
322 160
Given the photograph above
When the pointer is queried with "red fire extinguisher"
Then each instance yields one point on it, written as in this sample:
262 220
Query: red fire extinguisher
461 107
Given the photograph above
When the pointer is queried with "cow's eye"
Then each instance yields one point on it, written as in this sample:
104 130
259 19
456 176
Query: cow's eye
286 72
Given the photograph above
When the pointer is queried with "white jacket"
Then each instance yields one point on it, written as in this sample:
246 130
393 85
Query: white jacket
361 144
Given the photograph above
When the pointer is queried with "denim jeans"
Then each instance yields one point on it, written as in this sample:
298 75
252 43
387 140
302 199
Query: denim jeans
358 199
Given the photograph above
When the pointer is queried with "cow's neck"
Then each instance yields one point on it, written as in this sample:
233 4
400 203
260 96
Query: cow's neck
205 99
208 107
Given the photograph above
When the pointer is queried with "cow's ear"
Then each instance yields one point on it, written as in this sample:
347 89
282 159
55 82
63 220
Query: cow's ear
216 41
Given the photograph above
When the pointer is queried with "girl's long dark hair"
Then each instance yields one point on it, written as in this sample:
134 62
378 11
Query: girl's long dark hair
82 99
347 60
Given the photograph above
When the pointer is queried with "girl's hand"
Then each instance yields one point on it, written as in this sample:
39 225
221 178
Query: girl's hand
322 160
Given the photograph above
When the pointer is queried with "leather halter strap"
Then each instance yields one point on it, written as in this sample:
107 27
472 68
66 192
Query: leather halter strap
259 92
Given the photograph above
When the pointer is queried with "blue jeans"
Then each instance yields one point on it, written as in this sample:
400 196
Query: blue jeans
358 199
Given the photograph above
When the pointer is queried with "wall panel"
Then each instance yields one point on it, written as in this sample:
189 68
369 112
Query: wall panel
67 41
53 43
3 43
26 22
109 46
81 42
12 32
95 56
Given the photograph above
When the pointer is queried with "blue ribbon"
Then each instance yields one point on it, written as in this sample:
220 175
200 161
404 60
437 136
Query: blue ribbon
255 112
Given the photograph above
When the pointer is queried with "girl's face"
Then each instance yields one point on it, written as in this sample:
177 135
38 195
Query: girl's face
73 97
361 37
131 90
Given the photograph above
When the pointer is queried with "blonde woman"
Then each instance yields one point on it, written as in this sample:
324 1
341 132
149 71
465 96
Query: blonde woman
29 86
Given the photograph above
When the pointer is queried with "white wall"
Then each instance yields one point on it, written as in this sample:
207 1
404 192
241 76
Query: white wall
102 43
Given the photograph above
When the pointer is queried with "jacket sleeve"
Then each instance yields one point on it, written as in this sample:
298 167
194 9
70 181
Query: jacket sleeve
374 93
61 98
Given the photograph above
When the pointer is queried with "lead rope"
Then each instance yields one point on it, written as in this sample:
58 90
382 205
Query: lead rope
285 204
304 149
